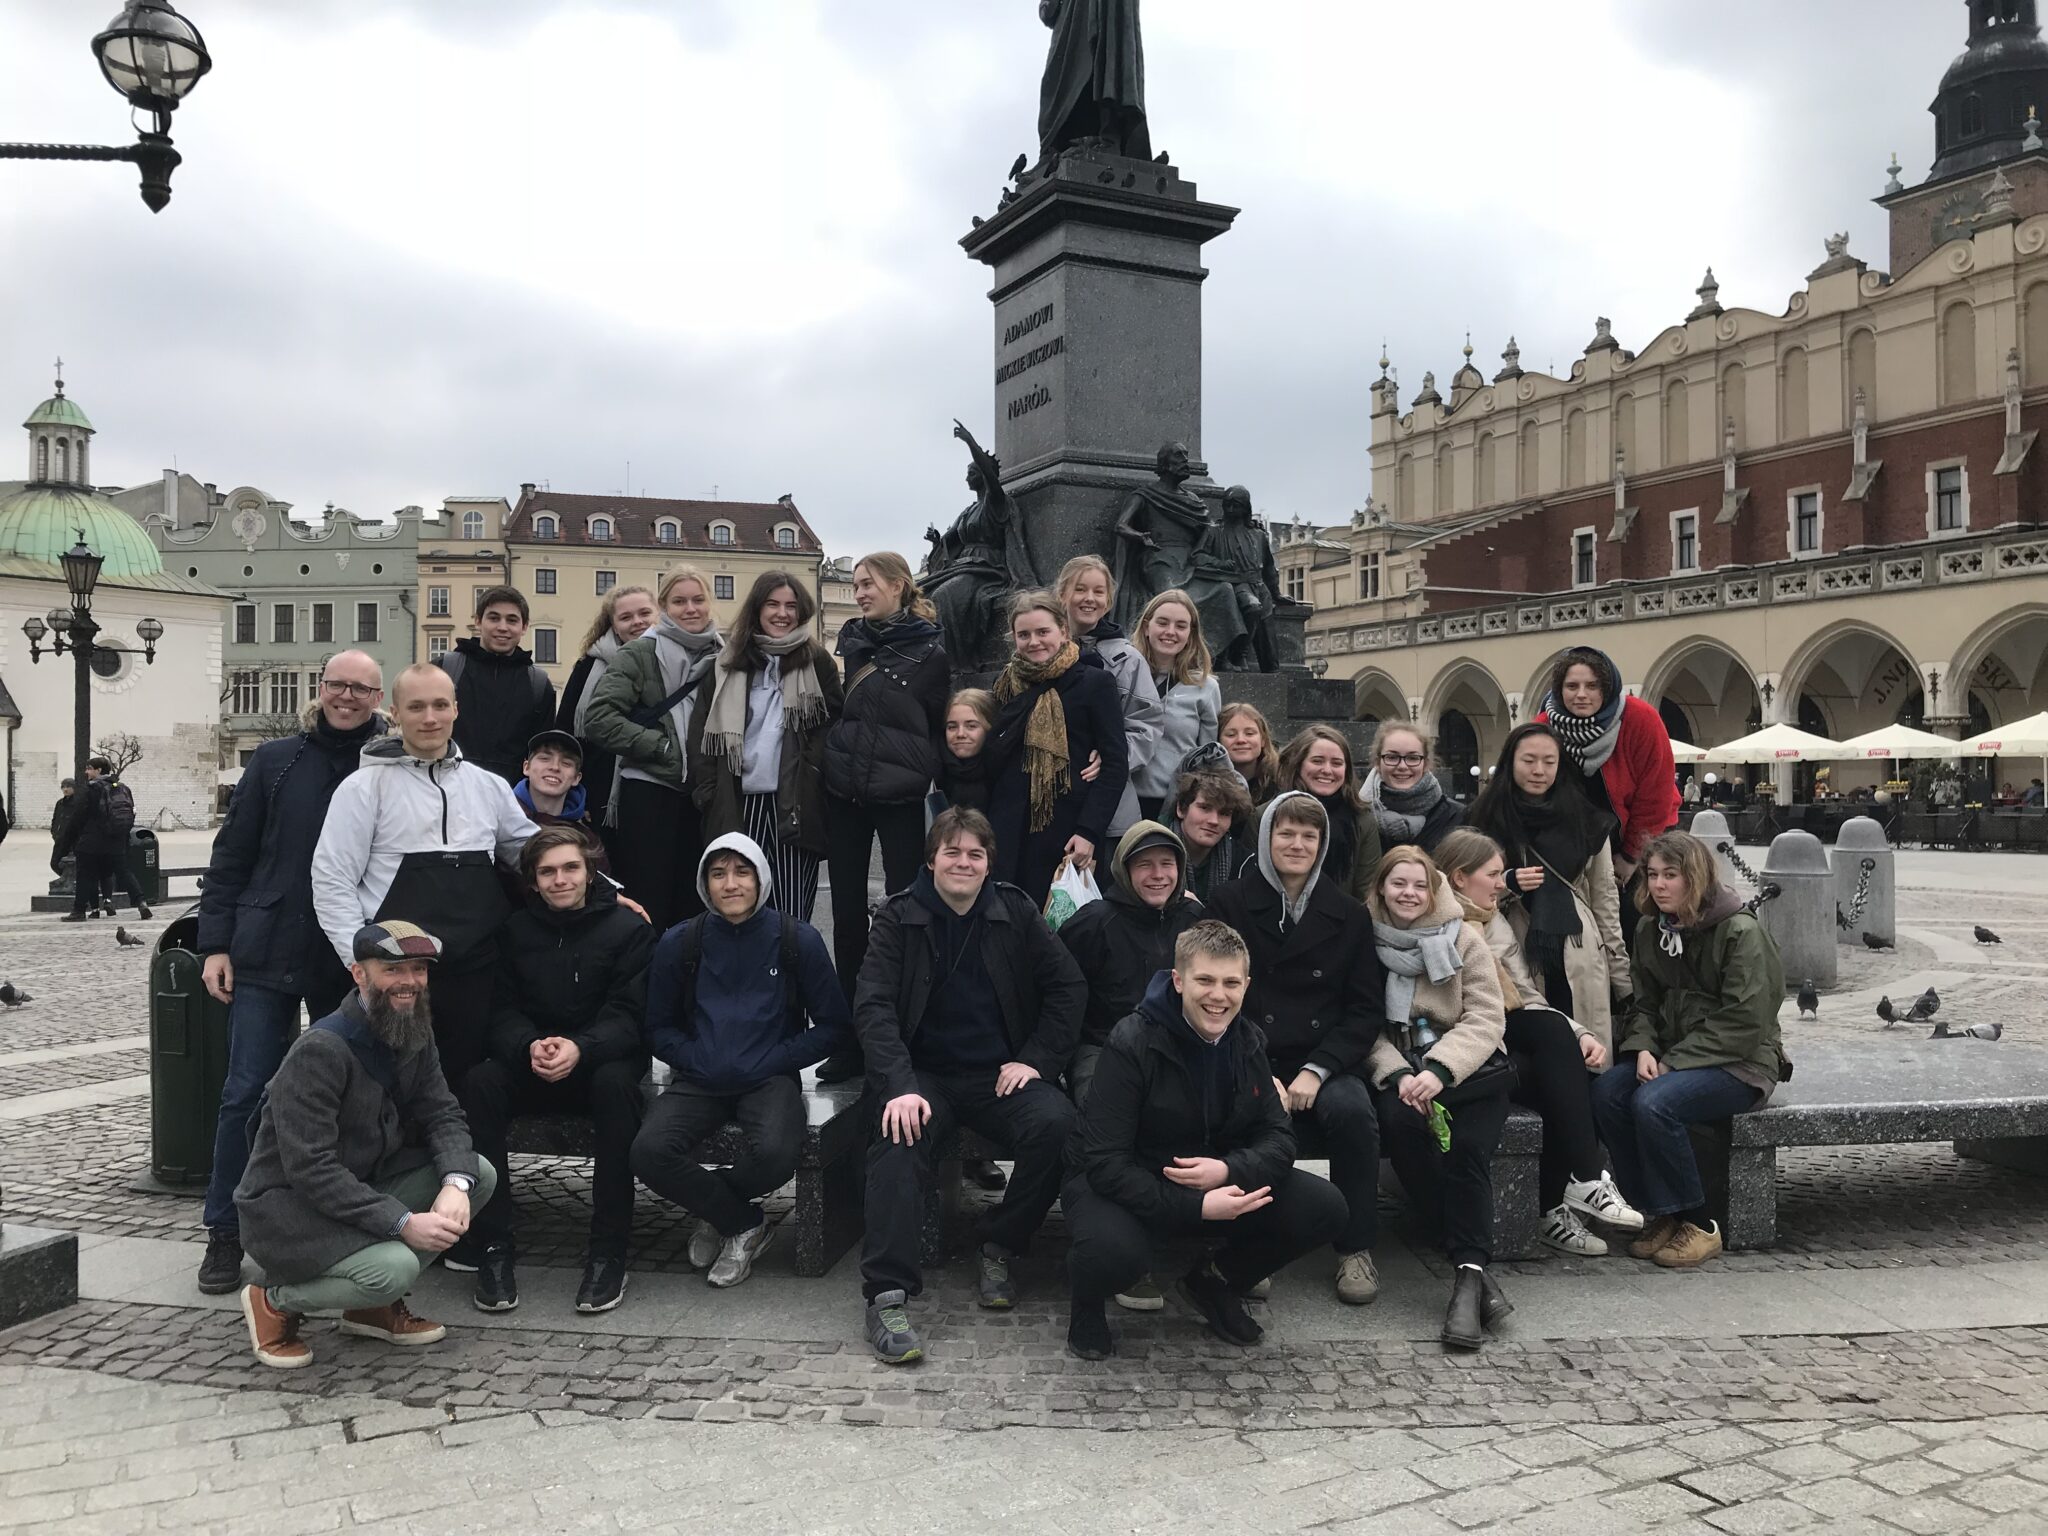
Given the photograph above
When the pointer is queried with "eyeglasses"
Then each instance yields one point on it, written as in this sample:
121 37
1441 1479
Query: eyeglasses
353 690
1403 759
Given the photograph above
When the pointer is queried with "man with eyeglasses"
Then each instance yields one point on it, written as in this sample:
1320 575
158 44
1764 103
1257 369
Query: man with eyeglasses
265 952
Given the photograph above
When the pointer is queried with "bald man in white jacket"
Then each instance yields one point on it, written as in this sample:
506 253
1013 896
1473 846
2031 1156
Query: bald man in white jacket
415 834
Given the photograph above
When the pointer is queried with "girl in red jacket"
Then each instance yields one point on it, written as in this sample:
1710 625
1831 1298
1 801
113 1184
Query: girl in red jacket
1621 746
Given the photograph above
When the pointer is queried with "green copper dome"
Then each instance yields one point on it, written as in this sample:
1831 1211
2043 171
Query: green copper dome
40 523
58 411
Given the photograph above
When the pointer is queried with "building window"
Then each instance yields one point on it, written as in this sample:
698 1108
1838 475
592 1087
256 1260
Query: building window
282 616
1585 558
668 531
1296 584
1971 115
1948 498
366 621
312 686
785 537
437 602
544 650
1685 541
284 693
606 580
1368 577
437 645
43 458
1805 515
545 526
721 533
544 580
323 622
721 588
472 525
248 693
245 623
601 530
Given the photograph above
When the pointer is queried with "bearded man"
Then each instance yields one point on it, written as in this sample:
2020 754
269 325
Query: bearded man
362 1171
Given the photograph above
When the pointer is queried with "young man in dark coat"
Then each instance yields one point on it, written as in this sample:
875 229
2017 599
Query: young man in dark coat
362 1173
564 1040
97 833
1319 996
728 1016
265 953
967 1010
1183 1141
503 698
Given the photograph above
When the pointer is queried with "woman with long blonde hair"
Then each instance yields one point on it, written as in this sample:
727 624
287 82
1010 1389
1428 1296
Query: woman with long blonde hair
1088 592
1170 640
624 614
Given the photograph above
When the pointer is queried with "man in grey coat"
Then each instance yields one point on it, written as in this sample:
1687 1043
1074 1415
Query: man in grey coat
362 1171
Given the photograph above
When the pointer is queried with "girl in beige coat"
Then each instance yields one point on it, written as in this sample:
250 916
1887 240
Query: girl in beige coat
1441 1051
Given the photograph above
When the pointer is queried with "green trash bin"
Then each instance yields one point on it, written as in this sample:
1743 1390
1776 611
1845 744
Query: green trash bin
145 862
188 1058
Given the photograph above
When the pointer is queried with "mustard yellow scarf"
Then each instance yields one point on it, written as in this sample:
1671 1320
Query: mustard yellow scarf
1045 734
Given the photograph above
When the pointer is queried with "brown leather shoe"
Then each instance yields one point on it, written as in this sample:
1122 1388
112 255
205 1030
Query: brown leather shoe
1690 1247
273 1334
1659 1231
394 1324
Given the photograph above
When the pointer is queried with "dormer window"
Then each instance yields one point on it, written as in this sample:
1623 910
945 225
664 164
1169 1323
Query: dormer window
785 537
472 525
601 530
668 531
1970 117
545 526
721 533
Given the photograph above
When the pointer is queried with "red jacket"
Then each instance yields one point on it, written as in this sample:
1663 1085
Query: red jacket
1640 778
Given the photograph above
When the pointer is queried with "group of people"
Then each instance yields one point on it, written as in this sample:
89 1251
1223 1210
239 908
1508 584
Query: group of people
1286 961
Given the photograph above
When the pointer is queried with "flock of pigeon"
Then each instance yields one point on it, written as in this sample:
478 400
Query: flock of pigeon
12 997
1925 1006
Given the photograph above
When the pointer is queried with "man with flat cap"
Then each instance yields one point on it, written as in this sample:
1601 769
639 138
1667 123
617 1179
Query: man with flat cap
362 1172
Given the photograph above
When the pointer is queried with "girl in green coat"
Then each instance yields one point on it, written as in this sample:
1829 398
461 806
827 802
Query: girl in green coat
1701 1043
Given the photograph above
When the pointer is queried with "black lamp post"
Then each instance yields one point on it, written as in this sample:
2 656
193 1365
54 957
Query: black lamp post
153 57
75 631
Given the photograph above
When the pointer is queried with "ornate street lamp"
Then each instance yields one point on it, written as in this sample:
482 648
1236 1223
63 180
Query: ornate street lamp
153 57
75 630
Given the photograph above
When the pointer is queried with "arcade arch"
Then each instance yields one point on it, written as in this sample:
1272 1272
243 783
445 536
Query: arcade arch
1849 678
2002 668
1704 692
1375 697
1469 711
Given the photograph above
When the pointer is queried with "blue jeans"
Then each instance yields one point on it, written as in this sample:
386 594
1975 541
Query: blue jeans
262 1023
1644 1126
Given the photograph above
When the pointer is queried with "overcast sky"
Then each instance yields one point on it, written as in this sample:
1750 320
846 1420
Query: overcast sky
422 248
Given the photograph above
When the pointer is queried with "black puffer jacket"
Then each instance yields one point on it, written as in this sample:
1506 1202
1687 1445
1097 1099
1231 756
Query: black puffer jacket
884 750
502 702
580 974
1119 942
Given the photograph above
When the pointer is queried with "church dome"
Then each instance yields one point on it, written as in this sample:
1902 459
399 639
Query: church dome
43 521
1980 112
58 411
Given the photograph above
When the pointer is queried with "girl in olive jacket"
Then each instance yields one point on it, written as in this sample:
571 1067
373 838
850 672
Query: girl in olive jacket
1701 1043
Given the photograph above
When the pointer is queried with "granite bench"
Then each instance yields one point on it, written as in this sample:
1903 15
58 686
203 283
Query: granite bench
1989 1098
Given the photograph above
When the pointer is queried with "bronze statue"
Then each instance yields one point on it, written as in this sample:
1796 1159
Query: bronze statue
978 563
1094 90
1237 586
1158 532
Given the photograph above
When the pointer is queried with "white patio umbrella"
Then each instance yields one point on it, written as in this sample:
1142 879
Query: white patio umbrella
1901 741
1686 752
2022 738
1779 744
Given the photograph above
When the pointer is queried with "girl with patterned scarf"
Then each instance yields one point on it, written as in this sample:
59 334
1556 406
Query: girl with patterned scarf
1057 706
1620 746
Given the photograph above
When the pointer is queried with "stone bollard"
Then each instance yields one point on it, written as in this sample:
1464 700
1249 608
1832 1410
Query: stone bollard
1711 828
1862 842
1801 917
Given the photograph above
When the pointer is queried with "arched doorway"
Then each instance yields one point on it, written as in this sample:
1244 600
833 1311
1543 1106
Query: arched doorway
1457 752
1704 693
1471 715
2003 669
1376 697
1849 679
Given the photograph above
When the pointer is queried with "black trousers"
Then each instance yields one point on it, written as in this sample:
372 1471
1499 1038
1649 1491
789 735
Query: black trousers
609 1096
1554 1082
1032 1125
851 829
1350 1125
1454 1187
770 1116
660 840
460 1000
97 875
1111 1247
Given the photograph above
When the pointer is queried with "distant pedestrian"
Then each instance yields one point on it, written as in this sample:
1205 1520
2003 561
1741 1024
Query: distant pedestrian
503 697
96 832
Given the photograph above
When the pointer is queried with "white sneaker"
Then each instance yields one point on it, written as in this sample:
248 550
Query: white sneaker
705 1244
736 1258
1601 1199
1563 1231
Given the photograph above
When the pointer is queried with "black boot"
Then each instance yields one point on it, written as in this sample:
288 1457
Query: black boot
1494 1306
1462 1327
843 1066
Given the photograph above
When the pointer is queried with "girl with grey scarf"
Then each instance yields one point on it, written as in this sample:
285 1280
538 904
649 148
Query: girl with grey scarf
1406 798
624 614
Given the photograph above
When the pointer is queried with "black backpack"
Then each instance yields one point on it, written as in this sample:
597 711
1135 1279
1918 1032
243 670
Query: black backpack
792 994
120 806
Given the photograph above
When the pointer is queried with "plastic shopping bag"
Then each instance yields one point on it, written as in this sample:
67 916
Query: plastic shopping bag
1072 889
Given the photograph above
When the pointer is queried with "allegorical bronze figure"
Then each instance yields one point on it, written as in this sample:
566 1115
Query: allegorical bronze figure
978 563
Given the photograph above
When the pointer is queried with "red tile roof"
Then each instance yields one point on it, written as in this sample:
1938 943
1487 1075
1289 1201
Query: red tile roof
634 519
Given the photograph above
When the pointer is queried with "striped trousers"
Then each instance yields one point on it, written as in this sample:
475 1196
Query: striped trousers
796 872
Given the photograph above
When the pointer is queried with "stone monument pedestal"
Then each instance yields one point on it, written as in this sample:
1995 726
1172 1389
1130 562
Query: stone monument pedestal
38 1272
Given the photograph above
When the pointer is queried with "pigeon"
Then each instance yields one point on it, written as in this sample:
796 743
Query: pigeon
128 940
1872 941
1809 1001
1987 1031
1017 170
1927 1004
1986 936
13 996
1886 1012
1162 158
979 221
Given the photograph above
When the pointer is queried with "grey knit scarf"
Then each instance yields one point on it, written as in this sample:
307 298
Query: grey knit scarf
1411 952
